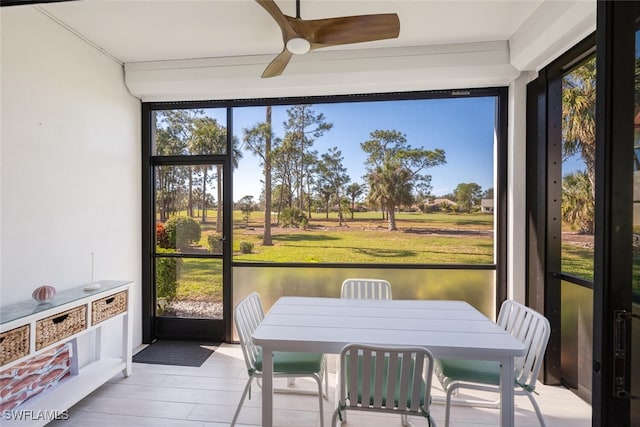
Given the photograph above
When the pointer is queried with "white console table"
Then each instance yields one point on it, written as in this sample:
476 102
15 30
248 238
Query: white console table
43 326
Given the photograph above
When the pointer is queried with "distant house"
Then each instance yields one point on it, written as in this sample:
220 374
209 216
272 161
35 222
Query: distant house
486 205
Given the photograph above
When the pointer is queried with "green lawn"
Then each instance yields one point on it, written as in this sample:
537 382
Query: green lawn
200 279
577 261
420 239
433 238
357 246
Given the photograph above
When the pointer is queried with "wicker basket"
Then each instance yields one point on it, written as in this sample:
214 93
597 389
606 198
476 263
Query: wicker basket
14 344
60 326
108 307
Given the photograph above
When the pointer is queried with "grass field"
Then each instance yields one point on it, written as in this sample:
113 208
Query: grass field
200 279
431 238
420 239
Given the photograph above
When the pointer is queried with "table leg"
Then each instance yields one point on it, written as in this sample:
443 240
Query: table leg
267 387
506 393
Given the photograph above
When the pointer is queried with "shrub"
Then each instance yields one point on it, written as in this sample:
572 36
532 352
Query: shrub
167 275
293 217
246 247
162 238
215 243
182 230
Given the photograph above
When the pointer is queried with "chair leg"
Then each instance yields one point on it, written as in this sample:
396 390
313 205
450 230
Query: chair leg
320 399
244 395
326 379
537 409
447 408
334 418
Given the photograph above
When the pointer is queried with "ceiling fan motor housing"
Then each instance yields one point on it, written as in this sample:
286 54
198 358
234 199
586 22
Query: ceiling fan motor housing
298 46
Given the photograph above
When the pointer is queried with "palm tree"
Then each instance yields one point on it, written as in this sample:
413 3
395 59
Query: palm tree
391 186
211 138
395 169
577 201
578 117
208 138
354 191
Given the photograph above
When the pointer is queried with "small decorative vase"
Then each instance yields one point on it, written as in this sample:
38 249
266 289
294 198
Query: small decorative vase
44 294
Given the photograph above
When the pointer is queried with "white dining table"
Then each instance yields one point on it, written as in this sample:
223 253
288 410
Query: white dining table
450 329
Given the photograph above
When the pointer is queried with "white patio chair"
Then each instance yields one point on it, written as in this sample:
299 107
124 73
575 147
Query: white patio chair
528 326
366 289
247 315
395 380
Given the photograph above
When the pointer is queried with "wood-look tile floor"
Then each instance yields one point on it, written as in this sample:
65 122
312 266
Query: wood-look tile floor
161 395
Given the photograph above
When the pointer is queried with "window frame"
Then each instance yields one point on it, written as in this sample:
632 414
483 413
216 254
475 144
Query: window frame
500 264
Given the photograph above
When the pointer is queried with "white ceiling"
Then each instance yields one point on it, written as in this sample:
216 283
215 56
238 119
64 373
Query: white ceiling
152 30
217 49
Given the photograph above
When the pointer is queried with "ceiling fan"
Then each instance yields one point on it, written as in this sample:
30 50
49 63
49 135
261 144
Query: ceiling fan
300 35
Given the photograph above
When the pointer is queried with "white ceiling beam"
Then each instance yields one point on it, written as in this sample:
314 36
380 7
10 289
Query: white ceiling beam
327 72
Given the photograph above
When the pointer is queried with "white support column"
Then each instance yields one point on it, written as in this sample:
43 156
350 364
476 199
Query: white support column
517 150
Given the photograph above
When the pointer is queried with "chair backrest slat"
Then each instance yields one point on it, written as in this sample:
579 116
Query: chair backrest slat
533 330
415 403
405 393
247 316
350 386
378 380
366 289
391 391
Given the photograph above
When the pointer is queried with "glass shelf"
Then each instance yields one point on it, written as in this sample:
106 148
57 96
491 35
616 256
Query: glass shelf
21 309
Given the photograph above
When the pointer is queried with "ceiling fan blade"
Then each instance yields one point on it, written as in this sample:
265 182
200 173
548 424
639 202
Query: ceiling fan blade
288 32
277 66
349 29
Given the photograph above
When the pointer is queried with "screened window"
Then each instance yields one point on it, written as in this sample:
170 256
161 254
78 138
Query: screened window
386 182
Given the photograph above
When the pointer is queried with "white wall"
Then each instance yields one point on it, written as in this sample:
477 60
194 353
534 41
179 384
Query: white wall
70 163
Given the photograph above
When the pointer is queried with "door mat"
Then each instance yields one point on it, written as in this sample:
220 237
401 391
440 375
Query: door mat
180 353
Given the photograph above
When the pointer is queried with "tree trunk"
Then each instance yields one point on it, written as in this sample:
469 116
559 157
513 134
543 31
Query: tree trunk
204 196
391 214
340 219
219 204
280 203
190 208
266 238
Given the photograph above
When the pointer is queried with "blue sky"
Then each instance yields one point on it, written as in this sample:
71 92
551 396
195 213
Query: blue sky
462 127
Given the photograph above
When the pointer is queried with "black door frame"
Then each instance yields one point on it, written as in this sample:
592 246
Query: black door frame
154 327
544 198
616 26
614 43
